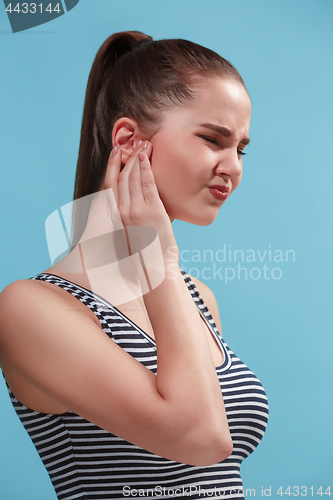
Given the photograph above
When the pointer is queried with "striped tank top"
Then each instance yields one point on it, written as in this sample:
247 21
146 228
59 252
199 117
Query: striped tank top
87 462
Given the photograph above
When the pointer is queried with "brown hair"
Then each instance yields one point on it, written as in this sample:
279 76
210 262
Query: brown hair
135 76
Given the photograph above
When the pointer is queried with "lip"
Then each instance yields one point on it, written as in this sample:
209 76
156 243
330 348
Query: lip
219 192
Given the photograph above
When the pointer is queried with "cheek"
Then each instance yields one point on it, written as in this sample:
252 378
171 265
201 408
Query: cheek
163 167
169 165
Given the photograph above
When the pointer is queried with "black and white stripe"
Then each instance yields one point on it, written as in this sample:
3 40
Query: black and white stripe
86 462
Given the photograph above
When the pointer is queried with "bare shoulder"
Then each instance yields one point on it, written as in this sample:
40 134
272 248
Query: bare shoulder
14 298
18 290
22 294
209 299
20 302
27 300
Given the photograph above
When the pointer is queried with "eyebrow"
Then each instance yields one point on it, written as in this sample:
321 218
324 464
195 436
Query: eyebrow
225 131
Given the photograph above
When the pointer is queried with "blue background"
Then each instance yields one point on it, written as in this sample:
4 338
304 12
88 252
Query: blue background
282 328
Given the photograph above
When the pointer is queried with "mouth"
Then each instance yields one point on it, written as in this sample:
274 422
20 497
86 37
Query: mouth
219 192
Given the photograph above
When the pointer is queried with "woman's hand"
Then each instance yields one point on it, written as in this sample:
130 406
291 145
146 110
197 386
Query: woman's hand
134 193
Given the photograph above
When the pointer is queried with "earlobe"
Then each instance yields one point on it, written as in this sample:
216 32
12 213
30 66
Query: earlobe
126 135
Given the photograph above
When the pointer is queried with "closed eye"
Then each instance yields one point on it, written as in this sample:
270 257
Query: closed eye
211 140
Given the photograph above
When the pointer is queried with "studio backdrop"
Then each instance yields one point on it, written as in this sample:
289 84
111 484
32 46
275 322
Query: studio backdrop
268 255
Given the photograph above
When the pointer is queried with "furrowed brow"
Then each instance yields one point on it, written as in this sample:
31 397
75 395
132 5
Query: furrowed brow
225 131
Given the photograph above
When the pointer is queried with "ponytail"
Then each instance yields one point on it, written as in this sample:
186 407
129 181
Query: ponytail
92 150
110 52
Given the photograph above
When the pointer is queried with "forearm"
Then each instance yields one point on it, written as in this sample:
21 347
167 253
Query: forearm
186 374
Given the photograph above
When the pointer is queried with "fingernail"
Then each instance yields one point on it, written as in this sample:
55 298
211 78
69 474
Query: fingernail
145 145
141 156
114 151
138 145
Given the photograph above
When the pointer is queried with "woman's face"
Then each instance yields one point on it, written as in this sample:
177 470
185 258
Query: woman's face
199 146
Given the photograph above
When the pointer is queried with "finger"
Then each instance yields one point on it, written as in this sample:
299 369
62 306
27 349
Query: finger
149 188
135 187
111 184
111 179
112 171
124 197
147 148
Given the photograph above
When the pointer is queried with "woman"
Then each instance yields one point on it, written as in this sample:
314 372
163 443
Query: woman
106 422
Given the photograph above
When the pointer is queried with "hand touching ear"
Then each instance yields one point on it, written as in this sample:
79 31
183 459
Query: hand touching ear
135 193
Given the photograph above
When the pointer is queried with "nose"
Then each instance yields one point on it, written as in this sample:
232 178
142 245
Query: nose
230 164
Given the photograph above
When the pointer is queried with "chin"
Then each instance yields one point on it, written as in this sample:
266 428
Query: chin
193 211
204 219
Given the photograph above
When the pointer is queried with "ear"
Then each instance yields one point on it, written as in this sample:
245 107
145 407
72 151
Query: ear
126 134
